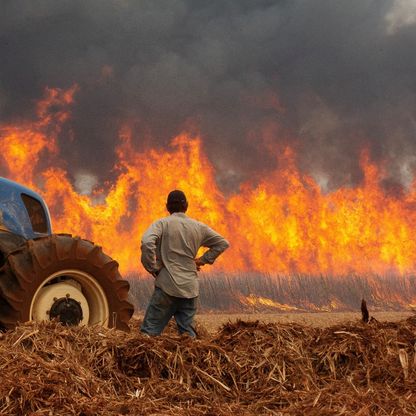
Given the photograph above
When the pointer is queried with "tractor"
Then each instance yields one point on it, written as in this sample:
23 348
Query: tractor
46 276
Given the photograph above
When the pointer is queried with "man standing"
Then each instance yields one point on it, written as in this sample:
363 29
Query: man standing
169 249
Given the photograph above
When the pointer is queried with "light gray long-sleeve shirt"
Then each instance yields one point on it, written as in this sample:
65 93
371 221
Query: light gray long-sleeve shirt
169 247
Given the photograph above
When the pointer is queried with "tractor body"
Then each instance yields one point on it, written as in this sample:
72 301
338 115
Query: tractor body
23 211
46 276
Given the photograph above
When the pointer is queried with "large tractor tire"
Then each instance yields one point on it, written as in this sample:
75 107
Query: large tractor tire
65 278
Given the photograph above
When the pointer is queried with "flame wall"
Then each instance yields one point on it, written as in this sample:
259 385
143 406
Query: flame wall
282 223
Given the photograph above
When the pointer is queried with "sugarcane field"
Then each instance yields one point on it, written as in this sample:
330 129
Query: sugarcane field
208 208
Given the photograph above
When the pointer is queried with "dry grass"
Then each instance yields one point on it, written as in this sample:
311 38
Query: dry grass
245 368
262 292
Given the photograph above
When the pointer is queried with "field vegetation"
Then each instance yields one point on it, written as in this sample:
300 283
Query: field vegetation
261 292
245 368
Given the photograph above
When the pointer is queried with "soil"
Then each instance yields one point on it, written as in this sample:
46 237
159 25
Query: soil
212 322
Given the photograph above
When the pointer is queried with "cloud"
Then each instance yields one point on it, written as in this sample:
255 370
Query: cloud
402 14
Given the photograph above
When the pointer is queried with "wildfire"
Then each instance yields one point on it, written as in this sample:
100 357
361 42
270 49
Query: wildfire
283 224
262 302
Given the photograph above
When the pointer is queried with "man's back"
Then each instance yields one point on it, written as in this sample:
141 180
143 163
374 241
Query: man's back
169 248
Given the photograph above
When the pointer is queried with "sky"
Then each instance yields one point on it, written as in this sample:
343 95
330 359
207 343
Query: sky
329 78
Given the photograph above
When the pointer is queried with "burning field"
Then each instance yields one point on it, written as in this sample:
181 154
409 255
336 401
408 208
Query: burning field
290 126
245 368
282 224
291 242
293 139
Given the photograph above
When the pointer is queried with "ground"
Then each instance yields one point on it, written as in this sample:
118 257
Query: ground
212 321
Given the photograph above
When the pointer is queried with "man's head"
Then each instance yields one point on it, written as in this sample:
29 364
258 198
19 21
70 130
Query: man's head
176 202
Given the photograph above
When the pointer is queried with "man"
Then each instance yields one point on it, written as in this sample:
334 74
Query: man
169 249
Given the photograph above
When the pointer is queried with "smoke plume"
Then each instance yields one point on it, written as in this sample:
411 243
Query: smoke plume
328 78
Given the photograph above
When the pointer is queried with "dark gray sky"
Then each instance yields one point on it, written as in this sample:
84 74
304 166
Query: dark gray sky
343 72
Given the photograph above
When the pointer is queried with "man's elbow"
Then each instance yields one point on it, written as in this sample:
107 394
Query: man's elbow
225 244
145 262
147 256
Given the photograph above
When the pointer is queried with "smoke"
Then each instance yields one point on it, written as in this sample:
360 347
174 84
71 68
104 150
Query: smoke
327 77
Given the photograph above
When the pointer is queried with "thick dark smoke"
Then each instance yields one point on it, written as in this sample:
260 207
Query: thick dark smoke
329 77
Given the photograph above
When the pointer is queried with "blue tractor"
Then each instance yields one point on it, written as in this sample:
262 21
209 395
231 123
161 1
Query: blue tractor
46 276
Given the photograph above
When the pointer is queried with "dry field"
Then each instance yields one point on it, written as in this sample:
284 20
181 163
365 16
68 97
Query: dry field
244 368
213 321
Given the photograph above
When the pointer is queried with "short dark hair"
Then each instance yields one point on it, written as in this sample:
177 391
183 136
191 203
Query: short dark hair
176 202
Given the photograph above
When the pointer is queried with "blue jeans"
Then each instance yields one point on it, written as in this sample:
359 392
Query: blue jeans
162 307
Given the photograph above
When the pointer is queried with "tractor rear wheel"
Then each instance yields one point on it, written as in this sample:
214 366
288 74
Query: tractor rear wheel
65 278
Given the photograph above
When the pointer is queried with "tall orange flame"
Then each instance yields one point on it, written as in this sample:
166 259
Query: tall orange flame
283 224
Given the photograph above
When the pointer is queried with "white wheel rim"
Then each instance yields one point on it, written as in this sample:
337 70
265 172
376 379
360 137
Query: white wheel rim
92 292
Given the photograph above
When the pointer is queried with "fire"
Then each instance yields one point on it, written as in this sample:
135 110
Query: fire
262 302
283 224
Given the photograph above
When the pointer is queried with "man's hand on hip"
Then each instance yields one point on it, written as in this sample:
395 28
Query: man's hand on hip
199 263
156 274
